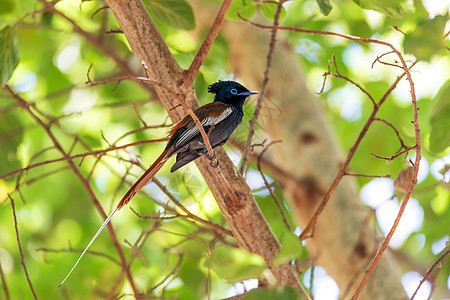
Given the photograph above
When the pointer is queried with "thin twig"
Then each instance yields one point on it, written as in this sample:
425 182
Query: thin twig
5 286
191 73
83 180
395 130
251 131
266 183
395 155
188 213
365 175
83 155
22 258
70 249
437 264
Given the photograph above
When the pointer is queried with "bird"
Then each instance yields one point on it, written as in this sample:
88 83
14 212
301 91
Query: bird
219 119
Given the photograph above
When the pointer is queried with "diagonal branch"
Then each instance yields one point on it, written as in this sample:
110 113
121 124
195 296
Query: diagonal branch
85 183
22 259
204 49
251 132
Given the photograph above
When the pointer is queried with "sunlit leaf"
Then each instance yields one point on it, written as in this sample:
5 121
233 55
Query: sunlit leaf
236 264
439 120
269 9
291 248
8 153
9 53
391 8
426 39
441 201
175 13
277 293
325 6
244 8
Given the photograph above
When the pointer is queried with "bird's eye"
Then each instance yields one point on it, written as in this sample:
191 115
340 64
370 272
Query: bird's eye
233 91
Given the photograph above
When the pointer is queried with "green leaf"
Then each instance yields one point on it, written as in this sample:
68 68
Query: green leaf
175 13
439 120
9 146
391 8
268 9
246 8
235 264
426 39
325 6
7 6
441 201
291 248
9 54
277 293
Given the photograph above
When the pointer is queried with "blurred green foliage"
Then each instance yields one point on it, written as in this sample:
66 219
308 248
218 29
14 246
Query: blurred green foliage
179 258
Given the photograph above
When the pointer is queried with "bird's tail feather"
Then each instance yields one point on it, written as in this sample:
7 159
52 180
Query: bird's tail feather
137 186
145 178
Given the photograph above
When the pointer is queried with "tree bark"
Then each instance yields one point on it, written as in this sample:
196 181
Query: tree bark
244 217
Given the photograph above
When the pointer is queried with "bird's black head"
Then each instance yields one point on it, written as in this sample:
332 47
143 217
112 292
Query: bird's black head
230 92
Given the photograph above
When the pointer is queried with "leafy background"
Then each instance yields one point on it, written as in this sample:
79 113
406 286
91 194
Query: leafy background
176 257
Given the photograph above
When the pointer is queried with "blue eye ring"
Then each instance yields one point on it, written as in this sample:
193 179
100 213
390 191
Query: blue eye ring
234 91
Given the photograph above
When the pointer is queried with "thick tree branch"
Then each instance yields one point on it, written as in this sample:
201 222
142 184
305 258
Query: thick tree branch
241 213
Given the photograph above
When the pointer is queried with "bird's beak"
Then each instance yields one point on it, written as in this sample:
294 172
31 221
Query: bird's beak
249 93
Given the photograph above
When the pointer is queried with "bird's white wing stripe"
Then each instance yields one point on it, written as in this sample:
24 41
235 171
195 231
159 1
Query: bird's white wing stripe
191 132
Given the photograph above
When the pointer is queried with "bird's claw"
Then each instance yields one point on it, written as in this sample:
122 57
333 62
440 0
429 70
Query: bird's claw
214 164
211 157
214 161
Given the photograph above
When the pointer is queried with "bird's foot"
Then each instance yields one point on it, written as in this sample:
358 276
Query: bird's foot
214 161
211 157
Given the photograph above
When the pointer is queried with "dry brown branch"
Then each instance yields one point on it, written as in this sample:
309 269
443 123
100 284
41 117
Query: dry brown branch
395 155
365 175
70 249
395 130
188 213
251 131
437 264
22 258
269 188
85 183
5 286
204 49
82 155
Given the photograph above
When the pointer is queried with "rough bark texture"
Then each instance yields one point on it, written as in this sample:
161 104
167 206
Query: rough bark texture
243 216
311 155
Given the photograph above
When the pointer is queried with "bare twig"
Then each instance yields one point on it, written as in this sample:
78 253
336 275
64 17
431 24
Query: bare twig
70 249
395 130
437 264
395 155
188 213
365 175
83 180
22 258
269 188
5 286
82 155
204 49
251 132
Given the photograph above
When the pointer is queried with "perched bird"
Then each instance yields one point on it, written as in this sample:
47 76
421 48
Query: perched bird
219 118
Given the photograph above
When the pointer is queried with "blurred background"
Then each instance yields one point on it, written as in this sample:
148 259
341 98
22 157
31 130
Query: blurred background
46 56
